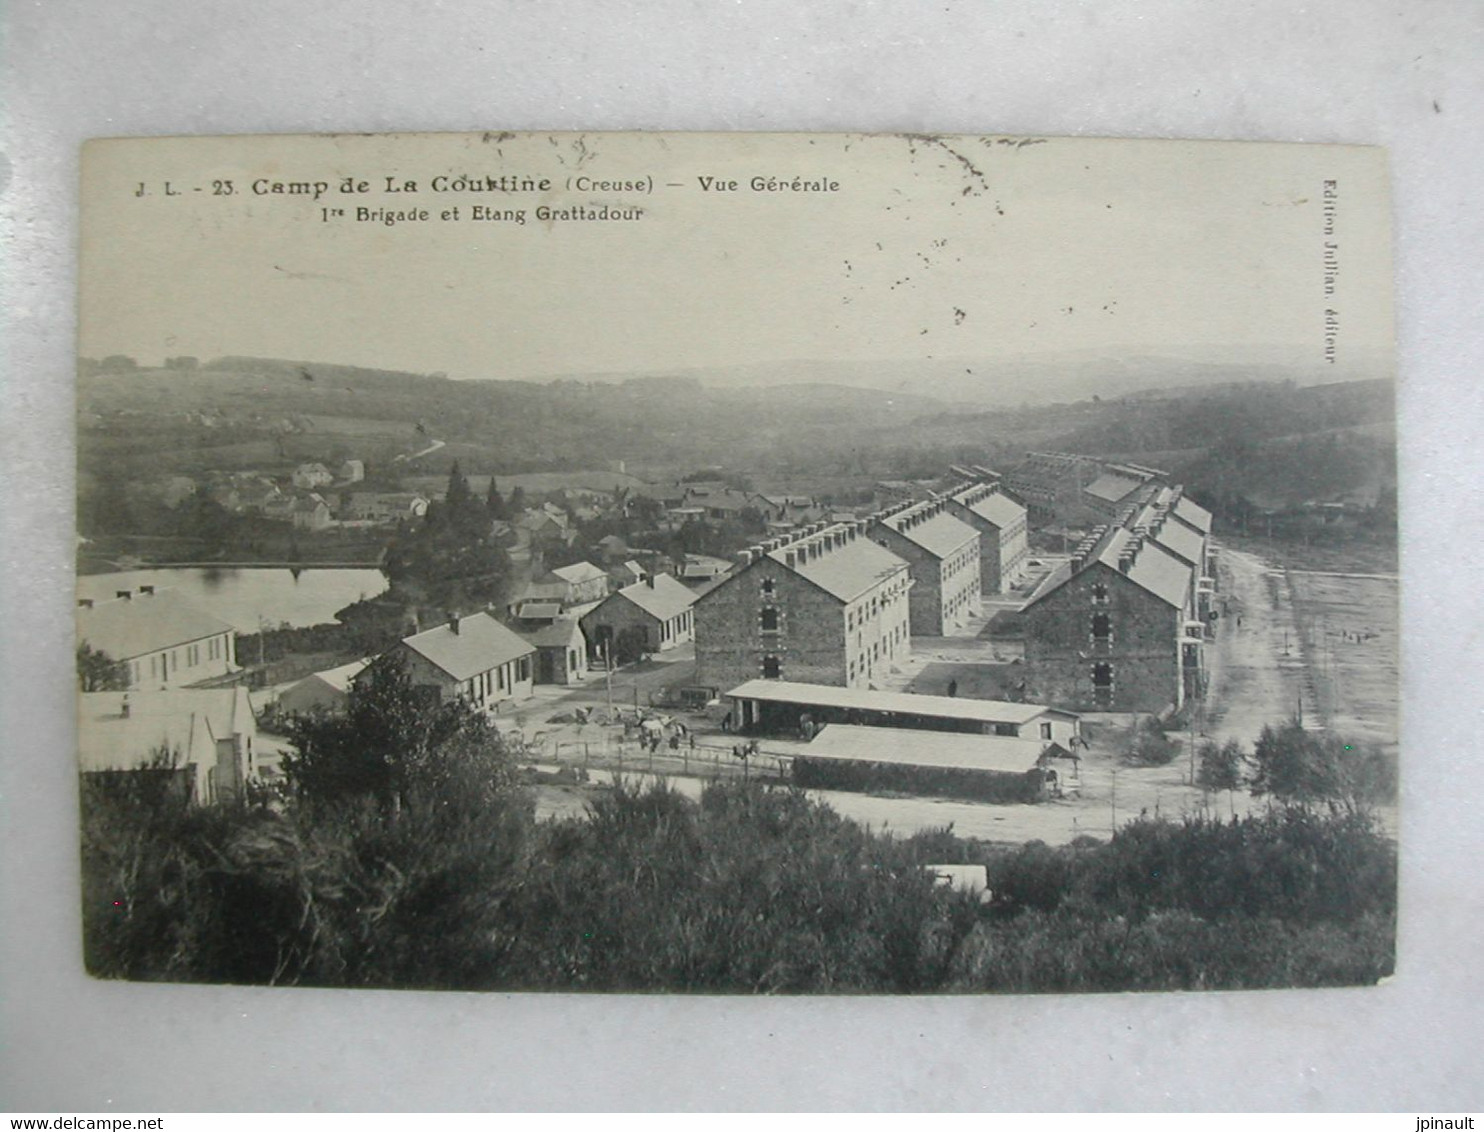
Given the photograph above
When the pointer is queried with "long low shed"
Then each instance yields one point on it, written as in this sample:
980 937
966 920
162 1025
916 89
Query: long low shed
993 768
764 705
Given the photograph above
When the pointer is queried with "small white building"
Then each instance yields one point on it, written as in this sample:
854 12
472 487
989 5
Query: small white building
161 640
472 658
327 691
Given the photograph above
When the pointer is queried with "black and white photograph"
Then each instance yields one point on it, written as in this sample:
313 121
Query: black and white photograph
737 564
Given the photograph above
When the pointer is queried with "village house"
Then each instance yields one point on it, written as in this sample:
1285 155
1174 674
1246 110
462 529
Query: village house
1116 628
311 476
352 471
312 513
161 640
942 555
1004 540
561 651
650 616
548 528
199 742
1054 485
826 606
474 658
585 582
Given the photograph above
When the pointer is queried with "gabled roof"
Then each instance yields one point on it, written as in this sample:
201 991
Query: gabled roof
580 572
341 678
480 644
844 572
994 507
665 599
190 721
1180 539
1191 512
1112 487
124 628
1154 569
941 535
564 632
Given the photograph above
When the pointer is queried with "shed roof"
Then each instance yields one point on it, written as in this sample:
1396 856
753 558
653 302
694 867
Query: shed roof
125 628
480 644
900 746
901 703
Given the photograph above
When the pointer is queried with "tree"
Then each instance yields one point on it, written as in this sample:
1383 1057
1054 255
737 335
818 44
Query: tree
495 503
458 488
1304 768
394 744
99 672
1220 767
517 501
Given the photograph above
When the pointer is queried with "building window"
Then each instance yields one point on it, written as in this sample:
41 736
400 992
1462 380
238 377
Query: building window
772 668
768 620
1045 731
1100 593
524 668
1102 628
768 586
1102 684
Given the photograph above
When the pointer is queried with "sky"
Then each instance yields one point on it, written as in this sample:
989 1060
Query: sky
927 247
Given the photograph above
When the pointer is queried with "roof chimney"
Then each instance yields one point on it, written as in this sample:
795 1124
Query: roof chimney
453 623
649 580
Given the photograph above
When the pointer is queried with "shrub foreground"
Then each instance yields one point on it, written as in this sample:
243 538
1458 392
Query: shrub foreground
753 889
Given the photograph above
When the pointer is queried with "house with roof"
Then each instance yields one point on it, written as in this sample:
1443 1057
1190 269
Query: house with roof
585 582
826 605
311 476
327 691
311 513
1004 539
561 651
1116 628
472 658
352 471
160 639
654 615
201 742
942 555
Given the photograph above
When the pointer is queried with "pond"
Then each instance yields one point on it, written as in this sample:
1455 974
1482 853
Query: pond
249 598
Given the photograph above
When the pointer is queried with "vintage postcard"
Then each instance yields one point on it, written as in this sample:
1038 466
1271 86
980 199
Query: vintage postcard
737 563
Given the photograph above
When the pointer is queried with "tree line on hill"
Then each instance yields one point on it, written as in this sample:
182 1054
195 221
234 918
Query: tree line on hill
402 851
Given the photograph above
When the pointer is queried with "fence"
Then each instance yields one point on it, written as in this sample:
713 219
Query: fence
624 755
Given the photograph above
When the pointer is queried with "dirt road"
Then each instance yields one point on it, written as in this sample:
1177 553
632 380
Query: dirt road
1256 665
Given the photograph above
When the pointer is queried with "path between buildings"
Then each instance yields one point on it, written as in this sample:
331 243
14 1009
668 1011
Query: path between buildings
1256 665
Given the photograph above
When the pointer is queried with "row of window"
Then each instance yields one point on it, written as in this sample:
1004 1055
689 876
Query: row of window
677 627
497 680
163 664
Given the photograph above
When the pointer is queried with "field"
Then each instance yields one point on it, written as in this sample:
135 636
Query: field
1349 627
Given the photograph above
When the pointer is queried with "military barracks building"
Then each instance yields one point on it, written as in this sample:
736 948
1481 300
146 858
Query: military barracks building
1004 541
825 605
1121 627
942 556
